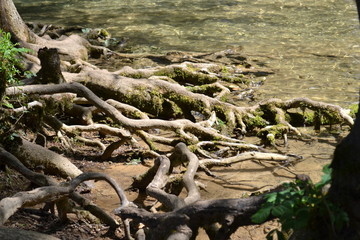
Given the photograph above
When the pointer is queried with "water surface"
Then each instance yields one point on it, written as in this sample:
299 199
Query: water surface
313 46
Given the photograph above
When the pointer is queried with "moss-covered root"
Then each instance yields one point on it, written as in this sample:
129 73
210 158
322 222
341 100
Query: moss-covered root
271 119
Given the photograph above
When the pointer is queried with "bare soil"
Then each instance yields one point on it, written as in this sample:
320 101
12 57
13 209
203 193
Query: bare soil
237 180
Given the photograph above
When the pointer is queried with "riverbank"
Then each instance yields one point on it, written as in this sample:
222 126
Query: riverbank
311 45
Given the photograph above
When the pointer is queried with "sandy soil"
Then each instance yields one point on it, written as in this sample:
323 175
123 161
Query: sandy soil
242 179
238 180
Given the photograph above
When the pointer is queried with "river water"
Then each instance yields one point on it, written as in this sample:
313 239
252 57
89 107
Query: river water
313 46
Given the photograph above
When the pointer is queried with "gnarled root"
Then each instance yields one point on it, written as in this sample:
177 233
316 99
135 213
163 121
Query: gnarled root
50 190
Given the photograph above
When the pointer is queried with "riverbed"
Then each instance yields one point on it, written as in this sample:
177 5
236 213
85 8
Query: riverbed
312 46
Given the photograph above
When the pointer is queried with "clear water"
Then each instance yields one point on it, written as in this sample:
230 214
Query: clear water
313 46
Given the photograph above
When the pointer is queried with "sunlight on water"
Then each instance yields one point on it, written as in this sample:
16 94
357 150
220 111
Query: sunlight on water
313 46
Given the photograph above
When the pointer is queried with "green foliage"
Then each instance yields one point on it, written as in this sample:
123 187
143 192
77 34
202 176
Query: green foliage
220 122
300 205
9 61
6 103
10 65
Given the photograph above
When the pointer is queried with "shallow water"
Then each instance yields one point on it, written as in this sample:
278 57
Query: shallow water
313 46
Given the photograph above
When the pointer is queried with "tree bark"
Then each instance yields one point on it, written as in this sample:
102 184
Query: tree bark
34 155
10 21
345 186
50 71
230 213
345 189
73 47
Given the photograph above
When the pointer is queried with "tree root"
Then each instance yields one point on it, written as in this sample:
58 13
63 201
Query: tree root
154 97
189 213
230 213
178 126
50 190
191 89
34 155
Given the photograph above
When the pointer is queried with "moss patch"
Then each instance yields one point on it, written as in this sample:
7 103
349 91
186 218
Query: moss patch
271 133
181 75
255 122
354 108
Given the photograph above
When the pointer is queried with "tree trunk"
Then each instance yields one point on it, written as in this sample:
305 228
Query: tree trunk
73 47
10 21
345 187
50 71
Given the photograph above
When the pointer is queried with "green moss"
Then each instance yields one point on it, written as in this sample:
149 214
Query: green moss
234 79
136 114
174 108
192 148
157 101
150 143
224 98
309 117
271 133
163 105
186 102
207 89
104 33
324 117
255 122
222 127
186 76
270 138
353 109
224 122
133 75
228 74
145 100
224 70
192 68
165 72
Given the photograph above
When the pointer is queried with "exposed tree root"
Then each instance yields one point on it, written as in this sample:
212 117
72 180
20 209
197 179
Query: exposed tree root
33 155
179 126
244 157
187 96
229 213
188 214
50 190
187 130
133 109
161 98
